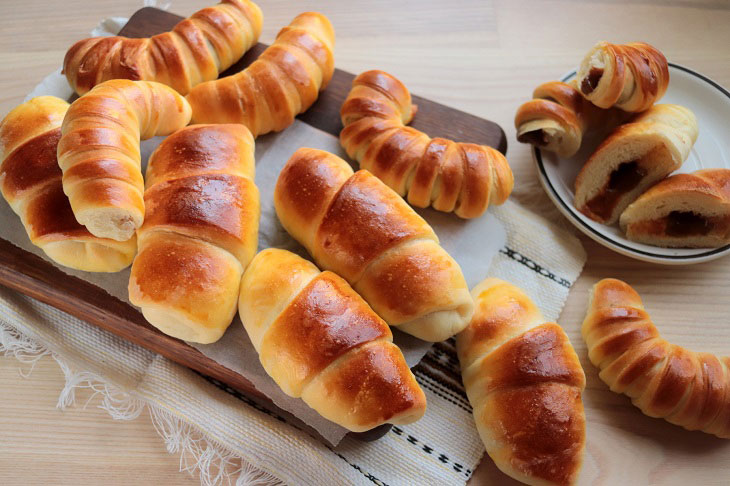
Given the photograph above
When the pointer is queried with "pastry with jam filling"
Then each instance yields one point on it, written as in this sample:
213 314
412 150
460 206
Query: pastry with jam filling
631 77
632 158
557 118
682 211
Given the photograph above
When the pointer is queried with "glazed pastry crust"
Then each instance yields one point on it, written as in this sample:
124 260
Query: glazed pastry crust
684 210
631 76
197 49
524 382
662 379
461 177
359 228
283 82
30 180
652 146
320 341
200 231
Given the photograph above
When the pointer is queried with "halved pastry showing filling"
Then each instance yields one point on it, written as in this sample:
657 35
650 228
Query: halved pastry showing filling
684 211
631 76
632 158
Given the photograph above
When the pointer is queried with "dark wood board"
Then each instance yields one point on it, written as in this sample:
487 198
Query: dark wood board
433 118
37 278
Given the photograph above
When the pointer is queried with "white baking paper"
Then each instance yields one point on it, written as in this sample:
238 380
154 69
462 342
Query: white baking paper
472 243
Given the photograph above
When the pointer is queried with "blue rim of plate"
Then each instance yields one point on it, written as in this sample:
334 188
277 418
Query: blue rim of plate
577 220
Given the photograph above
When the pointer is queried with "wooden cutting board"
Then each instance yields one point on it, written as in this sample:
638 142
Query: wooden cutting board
34 276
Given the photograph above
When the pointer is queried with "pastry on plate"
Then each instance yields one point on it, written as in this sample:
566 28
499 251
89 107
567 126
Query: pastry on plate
631 77
461 177
319 340
197 49
558 117
524 382
632 158
684 387
683 210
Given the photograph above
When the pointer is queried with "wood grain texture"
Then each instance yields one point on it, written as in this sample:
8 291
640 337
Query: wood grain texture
483 57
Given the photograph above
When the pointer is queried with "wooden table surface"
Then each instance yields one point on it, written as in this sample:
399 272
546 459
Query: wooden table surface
483 57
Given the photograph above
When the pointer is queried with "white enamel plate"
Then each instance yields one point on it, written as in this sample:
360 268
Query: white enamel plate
711 104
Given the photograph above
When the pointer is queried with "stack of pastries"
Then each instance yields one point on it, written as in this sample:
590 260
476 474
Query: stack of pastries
189 225
627 179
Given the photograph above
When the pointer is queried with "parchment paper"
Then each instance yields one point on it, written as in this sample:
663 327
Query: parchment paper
472 243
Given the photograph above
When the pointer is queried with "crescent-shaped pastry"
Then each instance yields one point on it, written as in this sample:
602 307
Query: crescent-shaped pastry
664 380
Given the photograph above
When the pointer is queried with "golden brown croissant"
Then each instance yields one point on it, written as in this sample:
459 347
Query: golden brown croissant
683 210
359 228
629 76
100 156
197 49
558 117
284 81
320 341
664 380
30 180
461 177
524 382
200 231
632 158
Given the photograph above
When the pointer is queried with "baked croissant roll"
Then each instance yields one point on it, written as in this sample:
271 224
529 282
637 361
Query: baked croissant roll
632 158
197 49
461 177
200 231
284 81
30 180
683 210
99 151
557 118
320 341
524 382
629 76
664 380
359 228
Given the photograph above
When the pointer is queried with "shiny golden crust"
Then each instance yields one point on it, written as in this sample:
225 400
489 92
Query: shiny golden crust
203 151
355 225
664 380
367 388
557 118
283 82
320 341
197 49
683 210
30 180
656 143
461 177
200 231
342 245
631 76
99 151
325 320
524 382
304 190
185 287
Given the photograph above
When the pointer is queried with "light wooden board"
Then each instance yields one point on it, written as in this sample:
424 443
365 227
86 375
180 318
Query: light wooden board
484 57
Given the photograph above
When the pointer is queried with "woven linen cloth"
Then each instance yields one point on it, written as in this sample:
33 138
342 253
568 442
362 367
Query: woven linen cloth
441 448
